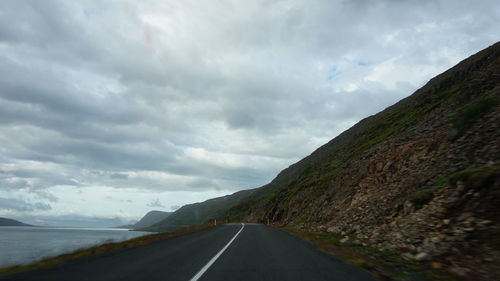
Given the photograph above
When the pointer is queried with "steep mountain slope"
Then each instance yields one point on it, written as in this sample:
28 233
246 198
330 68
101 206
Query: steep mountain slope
151 218
199 213
421 178
11 222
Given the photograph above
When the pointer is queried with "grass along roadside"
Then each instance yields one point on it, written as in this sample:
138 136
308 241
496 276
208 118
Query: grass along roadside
383 265
100 249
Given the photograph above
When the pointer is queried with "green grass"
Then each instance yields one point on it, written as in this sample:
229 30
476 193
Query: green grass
494 241
399 122
468 115
423 195
476 178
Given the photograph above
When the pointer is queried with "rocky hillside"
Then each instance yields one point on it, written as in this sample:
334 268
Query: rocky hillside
199 213
421 178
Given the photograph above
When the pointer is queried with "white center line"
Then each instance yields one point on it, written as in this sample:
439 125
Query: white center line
207 266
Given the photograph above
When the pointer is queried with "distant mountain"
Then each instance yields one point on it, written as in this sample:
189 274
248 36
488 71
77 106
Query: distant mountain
10 222
151 218
73 220
126 226
199 213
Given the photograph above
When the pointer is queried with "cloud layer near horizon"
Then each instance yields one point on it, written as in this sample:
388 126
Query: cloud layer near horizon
203 96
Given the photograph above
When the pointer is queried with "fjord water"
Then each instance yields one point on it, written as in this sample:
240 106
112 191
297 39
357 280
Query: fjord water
19 245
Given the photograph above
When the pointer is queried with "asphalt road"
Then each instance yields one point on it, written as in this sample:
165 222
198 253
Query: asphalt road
229 252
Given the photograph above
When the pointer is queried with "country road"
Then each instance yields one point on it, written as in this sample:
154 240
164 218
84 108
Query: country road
228 252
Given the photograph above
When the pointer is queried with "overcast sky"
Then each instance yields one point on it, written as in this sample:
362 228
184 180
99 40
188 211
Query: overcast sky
109 109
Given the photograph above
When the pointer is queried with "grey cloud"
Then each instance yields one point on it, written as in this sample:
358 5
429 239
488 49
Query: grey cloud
12 204
118 176
156 204
96 93
35 178
43 194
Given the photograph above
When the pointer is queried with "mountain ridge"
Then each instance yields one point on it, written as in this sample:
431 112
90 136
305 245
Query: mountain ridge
151 218
202 212
11 222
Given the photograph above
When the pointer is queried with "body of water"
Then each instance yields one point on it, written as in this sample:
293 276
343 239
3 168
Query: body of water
20 245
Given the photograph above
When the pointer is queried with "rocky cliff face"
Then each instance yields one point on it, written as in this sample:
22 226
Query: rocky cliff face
421 178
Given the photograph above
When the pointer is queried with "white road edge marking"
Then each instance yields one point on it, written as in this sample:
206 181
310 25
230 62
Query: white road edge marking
207 266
